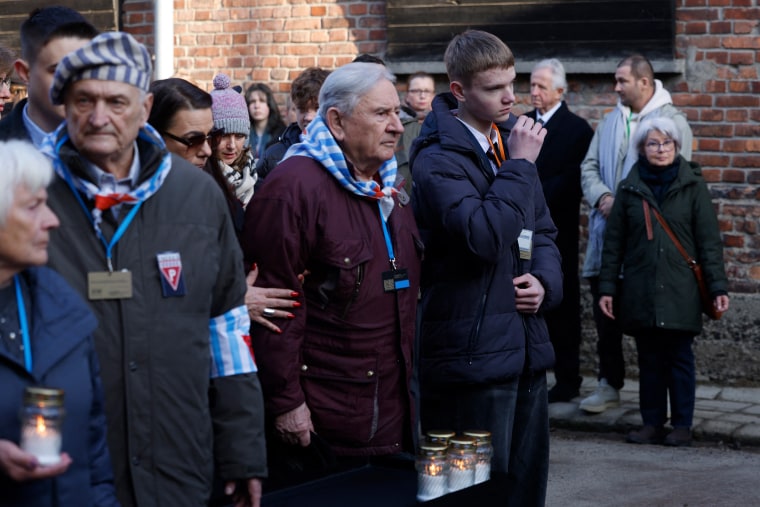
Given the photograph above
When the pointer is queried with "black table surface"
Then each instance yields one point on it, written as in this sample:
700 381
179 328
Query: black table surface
380 486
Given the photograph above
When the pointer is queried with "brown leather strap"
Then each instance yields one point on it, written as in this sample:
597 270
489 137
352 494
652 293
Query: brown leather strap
647 220
689 259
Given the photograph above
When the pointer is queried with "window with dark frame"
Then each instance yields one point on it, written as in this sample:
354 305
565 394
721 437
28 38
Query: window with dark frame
419 30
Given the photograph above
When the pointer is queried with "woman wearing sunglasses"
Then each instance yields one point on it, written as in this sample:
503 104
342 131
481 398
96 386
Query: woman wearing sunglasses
182 114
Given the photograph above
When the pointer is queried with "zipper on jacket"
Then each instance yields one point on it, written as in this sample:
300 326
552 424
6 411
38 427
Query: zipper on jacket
357 286
475 330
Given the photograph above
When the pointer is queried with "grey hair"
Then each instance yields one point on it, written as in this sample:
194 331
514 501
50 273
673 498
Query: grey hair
661 124
559 78
22 165
345 86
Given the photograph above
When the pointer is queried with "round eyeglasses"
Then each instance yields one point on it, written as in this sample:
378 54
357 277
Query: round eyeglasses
666 145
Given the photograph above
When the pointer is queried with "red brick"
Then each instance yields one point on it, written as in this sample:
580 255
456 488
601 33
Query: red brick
737 115
733 176
732 240
696 14
720 27
746 161
710 175
744 27
712 130
711 115
695 100
741 13
697 28
358 9
753 177
711 160
737 101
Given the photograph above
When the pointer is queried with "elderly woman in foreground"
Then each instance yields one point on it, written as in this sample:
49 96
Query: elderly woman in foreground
342 368
657 300
45 341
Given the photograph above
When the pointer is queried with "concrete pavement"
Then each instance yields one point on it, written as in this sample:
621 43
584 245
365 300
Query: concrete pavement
722 414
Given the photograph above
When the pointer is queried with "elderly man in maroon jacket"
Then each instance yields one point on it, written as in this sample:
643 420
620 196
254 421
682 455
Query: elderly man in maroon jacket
342 368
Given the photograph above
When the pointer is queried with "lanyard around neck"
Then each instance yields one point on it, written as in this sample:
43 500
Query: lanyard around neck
24 324
119 231
388 245
500 155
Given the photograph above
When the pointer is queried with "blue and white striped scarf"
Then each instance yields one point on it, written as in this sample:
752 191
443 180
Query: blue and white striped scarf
319 144
51 146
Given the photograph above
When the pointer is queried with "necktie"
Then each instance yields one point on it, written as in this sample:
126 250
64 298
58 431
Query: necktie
540 120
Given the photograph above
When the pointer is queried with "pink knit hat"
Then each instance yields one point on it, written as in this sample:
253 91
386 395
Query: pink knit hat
229 108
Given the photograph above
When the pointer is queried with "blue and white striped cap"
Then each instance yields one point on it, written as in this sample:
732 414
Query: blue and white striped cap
111 56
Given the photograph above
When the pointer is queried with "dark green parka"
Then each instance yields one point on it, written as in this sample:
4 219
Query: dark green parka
657 288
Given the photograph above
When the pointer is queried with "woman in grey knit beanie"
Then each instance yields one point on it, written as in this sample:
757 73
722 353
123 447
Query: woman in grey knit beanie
232 154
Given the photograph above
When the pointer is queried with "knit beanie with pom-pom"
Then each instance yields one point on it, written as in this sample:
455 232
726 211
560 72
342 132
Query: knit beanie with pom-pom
229 108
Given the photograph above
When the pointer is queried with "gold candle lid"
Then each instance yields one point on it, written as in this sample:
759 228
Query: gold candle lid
432 449
479 435
439 435
43 397
462 442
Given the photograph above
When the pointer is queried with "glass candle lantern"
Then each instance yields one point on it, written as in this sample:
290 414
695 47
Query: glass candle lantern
484 451
440 437
41 418
461 457
432 472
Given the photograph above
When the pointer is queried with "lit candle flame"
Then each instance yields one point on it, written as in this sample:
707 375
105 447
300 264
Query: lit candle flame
41 428
434 469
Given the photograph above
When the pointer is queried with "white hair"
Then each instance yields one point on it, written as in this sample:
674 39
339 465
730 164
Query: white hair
662 124
345 86
559 78
21 165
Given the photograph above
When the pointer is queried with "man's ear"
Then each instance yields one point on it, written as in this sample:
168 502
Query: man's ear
22 70
147 106
335 122
457 89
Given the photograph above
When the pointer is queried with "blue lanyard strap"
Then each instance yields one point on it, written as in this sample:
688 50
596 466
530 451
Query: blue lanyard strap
119 232
24 325
388 245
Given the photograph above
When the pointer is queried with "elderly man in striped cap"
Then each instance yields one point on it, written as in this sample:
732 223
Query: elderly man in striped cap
147 239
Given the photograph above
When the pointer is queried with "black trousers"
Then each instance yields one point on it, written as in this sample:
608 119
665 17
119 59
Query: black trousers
609 345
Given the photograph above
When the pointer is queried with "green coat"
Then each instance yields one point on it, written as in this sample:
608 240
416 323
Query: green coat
657 288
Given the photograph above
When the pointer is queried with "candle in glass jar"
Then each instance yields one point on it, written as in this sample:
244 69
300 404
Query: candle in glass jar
482 472
432 468
41 440
460 477
461 459
431 483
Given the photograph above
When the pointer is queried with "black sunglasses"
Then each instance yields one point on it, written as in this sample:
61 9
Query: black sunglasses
196 140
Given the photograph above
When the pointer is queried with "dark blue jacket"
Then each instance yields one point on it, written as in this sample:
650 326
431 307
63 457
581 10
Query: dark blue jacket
63 357
470 219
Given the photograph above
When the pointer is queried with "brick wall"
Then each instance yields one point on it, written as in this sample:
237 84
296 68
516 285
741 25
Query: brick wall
272 40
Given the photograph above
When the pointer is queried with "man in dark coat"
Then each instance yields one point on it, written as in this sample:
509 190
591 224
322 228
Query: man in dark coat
47 35
148 239
559 167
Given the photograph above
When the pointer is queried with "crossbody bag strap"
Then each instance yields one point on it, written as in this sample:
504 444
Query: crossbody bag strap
689 259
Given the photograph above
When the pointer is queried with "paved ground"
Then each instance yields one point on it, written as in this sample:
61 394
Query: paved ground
589 469
723 414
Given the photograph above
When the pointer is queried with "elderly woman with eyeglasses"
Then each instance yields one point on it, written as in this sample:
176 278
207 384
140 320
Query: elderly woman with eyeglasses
45 342
181 113
646 283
